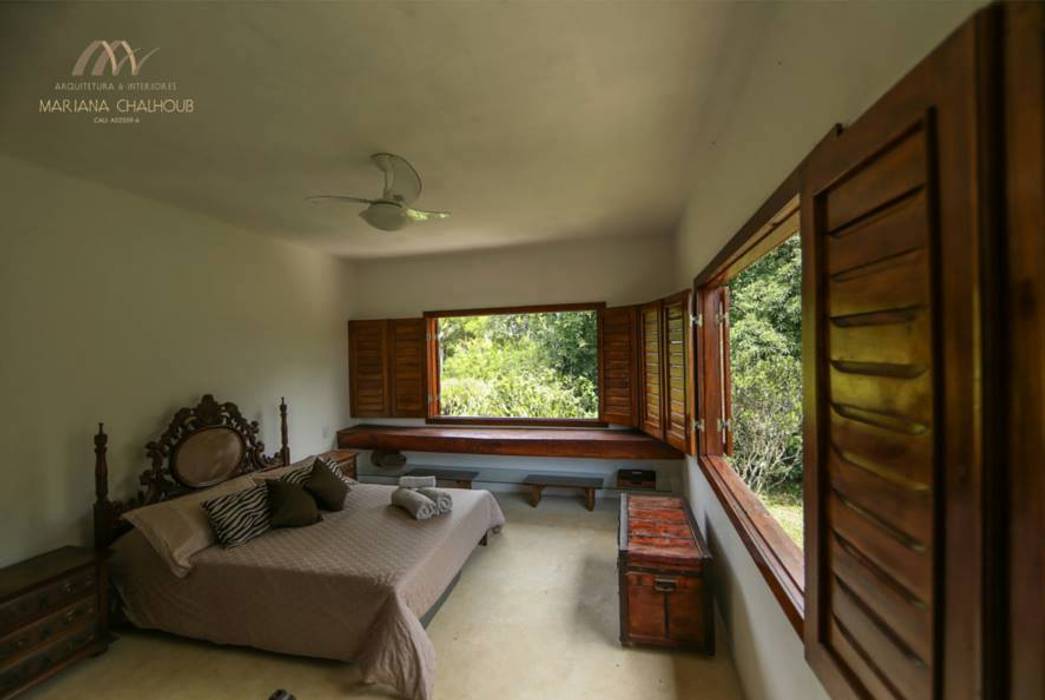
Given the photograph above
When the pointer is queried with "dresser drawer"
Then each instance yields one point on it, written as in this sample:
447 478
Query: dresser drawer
29 669
29 606
50 627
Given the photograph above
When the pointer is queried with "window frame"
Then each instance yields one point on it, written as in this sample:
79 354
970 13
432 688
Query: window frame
776 556
432 414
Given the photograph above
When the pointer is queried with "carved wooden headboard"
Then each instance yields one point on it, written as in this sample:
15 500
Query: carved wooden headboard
204 445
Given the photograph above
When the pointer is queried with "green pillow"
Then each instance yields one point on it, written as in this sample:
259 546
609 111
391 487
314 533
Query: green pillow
290 505
326 486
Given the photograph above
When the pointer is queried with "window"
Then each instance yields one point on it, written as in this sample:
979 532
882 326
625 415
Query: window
749 340
537 365
765 367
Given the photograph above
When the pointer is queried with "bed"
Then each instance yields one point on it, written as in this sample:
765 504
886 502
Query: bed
353 587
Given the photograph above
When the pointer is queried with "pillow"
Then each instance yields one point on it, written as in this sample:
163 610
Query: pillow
327 486
295 473
336 470
239 517
261 477
177 529
290 505
297 476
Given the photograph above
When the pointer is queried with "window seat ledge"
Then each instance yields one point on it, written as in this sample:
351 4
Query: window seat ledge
593 443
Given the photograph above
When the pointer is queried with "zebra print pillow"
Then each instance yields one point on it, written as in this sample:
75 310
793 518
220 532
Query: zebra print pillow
239 517
298 477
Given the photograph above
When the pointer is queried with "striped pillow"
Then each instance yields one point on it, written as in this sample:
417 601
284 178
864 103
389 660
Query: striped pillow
239 517
298 477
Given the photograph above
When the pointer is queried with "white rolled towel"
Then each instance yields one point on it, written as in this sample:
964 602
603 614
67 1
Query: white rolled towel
443 500
417 482
418 505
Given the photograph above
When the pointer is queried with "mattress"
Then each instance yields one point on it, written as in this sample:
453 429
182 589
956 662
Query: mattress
352 587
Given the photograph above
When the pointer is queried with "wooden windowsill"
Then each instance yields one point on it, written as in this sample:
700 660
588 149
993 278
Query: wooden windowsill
595 443
775 554
465 421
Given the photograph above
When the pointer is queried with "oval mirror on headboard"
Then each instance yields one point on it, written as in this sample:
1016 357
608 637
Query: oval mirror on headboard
207 457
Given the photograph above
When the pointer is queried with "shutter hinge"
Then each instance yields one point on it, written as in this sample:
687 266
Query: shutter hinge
721 317
698 425
697 320
723 424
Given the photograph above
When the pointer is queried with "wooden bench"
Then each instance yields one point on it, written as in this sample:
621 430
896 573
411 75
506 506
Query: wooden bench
462 478
538 482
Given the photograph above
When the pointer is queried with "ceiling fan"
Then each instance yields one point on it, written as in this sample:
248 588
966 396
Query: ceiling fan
391 211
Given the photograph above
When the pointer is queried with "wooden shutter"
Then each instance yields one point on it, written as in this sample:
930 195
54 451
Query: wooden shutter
712 353
1023 511
618 362
677 371
726 427
652 370
368 368
406 358
432 367
894 439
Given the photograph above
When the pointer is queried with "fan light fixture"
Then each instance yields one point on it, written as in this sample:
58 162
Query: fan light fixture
392 210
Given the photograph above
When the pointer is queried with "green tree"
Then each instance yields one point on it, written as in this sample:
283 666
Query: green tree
766 362
520 365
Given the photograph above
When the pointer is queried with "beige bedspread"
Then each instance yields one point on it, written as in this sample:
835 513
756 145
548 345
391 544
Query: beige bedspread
352 587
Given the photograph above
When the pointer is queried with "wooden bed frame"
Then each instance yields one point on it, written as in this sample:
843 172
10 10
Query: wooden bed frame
162 481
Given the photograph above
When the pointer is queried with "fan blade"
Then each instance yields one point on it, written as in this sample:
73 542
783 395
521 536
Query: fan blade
422 215
402 183
340 198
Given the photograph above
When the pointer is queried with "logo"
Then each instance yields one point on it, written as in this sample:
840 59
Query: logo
108 54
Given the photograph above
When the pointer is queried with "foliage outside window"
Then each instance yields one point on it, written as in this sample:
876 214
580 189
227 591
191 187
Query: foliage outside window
765 337
519 365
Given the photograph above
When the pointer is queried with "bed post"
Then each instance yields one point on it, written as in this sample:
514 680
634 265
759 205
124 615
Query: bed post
103 508
284 450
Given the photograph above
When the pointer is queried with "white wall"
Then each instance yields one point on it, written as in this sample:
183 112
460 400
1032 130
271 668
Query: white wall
614 270
815 65
116 308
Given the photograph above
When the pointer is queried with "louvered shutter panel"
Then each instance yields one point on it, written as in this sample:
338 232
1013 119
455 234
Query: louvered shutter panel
677 371
726 429
652 370
432 367
618 362
406 356
709 360
893 427
368 368
1024 511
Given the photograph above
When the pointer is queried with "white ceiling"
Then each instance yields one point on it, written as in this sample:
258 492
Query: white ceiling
529 121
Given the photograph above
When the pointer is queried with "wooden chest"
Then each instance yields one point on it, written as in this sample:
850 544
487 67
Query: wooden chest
53 611
665 599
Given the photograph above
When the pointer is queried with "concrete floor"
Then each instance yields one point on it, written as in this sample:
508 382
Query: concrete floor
533 616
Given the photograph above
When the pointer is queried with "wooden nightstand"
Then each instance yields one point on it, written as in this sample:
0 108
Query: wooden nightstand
53 612
345 459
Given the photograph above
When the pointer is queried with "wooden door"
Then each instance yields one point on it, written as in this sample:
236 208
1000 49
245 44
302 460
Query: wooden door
368 368
406 361
678 372
652 370
894 359
618 363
